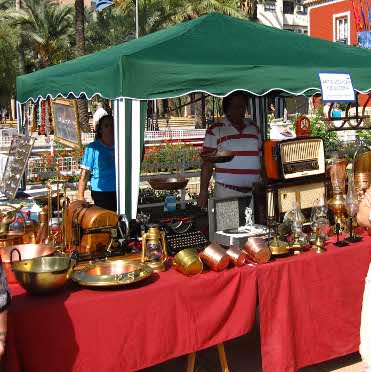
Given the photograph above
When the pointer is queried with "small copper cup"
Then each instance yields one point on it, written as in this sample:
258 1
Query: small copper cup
257 250
215 257
236 256
188 262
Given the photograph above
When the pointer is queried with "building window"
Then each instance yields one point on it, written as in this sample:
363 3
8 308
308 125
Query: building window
342 30
270 6
288 7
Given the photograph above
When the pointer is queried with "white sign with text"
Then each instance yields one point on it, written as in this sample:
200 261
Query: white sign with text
336 87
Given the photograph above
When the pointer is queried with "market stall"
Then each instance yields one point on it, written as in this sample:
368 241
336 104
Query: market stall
215 54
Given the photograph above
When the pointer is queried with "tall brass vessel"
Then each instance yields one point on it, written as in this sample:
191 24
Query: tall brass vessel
337 205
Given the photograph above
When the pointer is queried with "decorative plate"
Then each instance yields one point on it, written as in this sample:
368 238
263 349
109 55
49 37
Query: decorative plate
112 273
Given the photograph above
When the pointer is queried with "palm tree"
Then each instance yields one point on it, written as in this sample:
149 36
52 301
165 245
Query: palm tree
45 26
108 28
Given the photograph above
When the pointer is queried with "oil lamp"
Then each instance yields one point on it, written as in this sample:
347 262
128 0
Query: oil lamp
154 252
297 229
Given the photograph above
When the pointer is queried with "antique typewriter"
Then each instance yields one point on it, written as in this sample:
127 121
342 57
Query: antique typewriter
176 242
181 229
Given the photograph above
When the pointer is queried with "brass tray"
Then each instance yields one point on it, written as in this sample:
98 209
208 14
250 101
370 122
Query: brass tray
112 273
171 183
219 156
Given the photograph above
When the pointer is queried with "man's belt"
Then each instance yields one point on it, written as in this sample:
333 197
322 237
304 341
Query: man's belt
236 188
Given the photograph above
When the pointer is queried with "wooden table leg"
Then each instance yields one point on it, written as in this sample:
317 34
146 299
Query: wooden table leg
191 362
223 358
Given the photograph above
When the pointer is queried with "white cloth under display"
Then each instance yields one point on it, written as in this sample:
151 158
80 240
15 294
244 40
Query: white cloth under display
365 346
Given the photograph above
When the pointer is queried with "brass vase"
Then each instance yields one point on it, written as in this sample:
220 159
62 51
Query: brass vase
338 207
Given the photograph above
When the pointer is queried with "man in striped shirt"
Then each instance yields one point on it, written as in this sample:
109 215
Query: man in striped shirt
242 137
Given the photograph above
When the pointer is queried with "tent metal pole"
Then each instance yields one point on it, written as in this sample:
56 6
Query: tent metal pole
136 19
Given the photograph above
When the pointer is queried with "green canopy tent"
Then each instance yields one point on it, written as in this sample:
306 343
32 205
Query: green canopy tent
215 54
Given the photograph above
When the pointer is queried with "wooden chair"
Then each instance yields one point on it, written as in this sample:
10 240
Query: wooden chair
222 359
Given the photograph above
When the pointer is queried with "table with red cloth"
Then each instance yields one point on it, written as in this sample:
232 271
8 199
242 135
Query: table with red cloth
131 328
310 306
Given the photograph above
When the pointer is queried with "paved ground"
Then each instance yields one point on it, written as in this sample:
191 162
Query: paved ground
243 355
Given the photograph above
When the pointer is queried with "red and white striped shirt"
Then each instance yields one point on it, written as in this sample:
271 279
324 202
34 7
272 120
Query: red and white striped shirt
244 169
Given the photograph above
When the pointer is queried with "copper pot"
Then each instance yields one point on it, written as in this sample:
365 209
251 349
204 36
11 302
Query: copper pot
25 252
215 257
236 256
257 250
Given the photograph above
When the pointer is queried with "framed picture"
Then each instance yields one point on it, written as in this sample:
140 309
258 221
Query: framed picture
66 123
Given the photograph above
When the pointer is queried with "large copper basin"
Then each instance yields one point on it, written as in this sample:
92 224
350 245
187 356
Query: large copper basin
26 252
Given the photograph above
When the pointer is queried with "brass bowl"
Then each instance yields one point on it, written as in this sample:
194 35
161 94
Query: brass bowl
9 254
217 156
188 262
112 273
170 183
43 275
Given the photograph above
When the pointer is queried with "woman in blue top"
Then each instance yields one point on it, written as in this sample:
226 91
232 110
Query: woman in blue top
98 165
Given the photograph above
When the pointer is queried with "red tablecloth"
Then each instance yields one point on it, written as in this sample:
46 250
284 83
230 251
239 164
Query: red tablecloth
131 328
310 306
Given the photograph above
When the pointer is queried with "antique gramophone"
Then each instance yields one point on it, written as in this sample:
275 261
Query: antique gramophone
337 202
154 252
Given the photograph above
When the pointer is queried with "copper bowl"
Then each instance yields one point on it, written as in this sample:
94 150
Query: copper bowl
215 257
237 256
170 183
257 250
20 252
217 156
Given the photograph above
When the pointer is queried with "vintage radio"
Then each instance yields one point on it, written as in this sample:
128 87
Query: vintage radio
89 227
294 158
275 199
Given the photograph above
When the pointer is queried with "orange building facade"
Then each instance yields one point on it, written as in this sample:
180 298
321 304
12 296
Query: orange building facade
335 21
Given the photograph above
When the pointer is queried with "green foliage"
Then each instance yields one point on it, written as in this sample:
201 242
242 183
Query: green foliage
107 29
170 157
8 65
45 28
319 129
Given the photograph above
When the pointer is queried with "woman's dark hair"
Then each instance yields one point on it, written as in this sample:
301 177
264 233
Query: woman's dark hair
98 133
227 100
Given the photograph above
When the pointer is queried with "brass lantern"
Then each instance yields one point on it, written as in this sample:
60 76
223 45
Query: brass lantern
154 253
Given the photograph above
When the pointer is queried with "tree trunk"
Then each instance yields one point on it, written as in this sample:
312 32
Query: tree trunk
200 111
82 103
160 106
21 58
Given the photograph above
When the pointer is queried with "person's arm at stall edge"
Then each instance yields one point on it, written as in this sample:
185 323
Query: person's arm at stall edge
83 180
3 329
206 173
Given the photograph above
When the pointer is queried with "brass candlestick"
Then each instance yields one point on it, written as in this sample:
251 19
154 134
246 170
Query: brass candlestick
319 244
296 246
277 246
